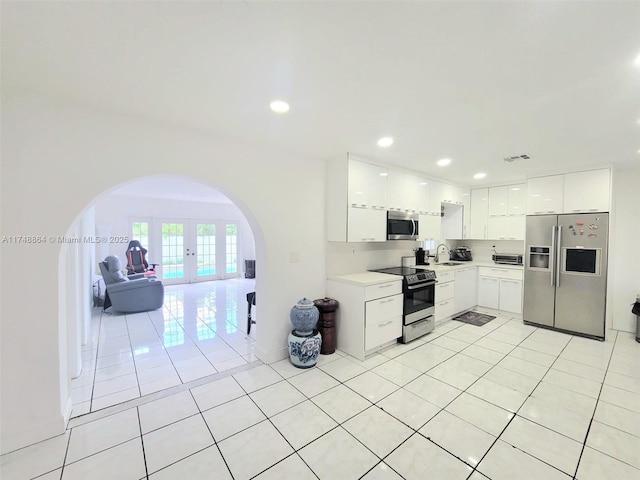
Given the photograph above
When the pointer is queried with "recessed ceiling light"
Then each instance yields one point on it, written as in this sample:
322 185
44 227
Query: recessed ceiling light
443 162
479 175
279 106
385 142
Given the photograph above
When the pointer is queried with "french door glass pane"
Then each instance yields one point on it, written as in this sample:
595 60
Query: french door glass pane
232 248
141 233
172 250
206 249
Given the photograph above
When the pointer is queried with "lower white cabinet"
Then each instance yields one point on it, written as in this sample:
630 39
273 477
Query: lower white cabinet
466 280
369 315
445 295
500 289
383 321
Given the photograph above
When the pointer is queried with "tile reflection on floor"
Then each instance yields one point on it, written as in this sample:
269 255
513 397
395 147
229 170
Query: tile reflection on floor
200 331
501 401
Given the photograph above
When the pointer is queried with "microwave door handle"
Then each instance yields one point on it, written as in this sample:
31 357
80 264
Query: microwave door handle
413 227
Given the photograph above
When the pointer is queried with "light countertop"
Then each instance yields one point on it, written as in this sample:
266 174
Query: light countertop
367 278
459 265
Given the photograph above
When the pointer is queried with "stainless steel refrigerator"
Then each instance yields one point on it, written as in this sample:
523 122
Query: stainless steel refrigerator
565 275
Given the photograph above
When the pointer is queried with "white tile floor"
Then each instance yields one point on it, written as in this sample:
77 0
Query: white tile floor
201 331
502 401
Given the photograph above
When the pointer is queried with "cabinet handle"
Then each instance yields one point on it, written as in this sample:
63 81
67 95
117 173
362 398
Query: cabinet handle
387 301
445 303
386 285
385 323
593 209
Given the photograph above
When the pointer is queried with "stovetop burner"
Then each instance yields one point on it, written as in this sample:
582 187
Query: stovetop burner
411 275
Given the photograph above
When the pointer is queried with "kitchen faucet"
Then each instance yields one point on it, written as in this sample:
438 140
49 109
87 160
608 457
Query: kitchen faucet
437 257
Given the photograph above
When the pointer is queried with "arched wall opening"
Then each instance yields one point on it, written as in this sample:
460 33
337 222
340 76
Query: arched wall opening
84 247
78 152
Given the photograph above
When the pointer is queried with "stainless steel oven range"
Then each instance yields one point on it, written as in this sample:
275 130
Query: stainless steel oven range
418 289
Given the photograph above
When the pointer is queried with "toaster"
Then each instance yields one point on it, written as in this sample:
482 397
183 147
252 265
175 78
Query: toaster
507 258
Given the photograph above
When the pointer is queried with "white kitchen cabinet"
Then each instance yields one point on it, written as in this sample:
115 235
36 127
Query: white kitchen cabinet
402 191
587 191
545 195
367 185
366 225
506 227
370 313
517 199
466 285
429 227
444 295
454 194
479 213
383 321
488 292
423 187
500 288
435 197
452 221
353 187
498 201
510 295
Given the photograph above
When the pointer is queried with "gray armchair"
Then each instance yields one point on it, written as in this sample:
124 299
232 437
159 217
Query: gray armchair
130 294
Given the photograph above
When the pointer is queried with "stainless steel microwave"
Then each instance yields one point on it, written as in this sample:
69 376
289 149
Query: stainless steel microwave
402 226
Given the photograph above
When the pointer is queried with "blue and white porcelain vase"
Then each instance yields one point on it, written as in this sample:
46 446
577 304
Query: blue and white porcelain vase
304 341
304 316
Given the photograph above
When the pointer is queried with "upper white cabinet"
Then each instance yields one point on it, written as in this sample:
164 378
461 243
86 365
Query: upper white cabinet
435 197
544 195
356 201
587 191
498 213
454 194
366 225
498 199
367 185
479 213
402 191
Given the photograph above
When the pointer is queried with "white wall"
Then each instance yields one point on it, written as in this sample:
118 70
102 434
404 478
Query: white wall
624 255
57 159
114 211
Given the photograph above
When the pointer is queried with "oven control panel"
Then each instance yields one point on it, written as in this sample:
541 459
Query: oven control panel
424 276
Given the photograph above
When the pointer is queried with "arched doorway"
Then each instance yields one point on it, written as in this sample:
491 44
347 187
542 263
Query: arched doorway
200 331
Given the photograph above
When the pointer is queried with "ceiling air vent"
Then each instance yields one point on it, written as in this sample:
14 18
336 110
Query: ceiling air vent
517 157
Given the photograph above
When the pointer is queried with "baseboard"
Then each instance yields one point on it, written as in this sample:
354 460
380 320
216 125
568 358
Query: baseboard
273 356
29 436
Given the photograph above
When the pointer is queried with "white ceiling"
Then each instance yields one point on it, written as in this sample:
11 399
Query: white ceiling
472 81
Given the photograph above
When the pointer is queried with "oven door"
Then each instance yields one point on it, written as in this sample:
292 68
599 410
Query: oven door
419 301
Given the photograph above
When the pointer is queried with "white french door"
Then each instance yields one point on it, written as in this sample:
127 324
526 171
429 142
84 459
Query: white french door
196 250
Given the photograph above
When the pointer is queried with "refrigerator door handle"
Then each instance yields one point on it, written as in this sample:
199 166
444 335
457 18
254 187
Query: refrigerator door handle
552 260
558 256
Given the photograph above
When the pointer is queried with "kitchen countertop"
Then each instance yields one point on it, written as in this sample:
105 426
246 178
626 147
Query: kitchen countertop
441 268
367 278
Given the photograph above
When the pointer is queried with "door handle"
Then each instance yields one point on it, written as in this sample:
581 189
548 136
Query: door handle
559 256
552 260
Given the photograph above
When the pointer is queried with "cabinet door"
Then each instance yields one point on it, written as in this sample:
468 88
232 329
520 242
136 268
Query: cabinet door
587 191
510 295
366 225
498 200
423 195
367 185
545 195
517 201
479 213
429 227
410 192
395 186
488 292
465 289
435 197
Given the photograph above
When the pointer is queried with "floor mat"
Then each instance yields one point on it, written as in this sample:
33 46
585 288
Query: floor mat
474 318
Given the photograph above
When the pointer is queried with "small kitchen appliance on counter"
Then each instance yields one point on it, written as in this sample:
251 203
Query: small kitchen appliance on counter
507 258
418 290
460 254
